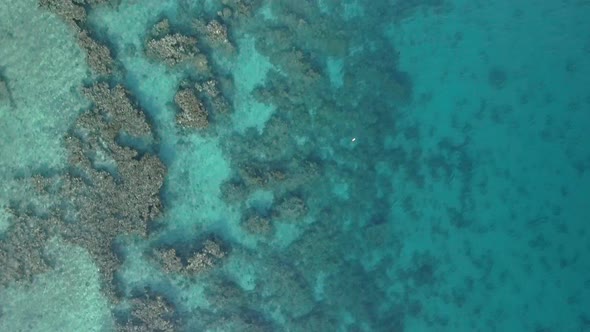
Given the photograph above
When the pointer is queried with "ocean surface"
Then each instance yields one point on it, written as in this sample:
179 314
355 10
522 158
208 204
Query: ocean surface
294 165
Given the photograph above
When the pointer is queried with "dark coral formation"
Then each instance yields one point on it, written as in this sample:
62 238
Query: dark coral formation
290 208
289 288
234 190
206 258
288 173
497 78
215 34
98 2
244 320
169 260
292 158
113 189
22 251
192 112
98 56
113 112
5 92
211 92
92 206
109 189
208 255
172 49
150 313
71 11
197 100
257 224
239 10
209 88
118 203
225 293
161 29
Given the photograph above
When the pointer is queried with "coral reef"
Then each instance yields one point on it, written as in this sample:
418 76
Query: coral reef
290 208
161 29
225 294
215 34
71 11
209 88
192 112
111 189
320 319
92 207
116 112
98 56
206 258
244 320
150 314
172 49
211 92
99 2
254 223
110 205
22 251
319 239
169 260
209 255
289 289
497 78
234 191
239 10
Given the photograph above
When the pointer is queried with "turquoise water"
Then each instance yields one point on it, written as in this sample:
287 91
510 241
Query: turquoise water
333 166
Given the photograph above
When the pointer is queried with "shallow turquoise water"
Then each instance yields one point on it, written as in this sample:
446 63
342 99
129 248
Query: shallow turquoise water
384 166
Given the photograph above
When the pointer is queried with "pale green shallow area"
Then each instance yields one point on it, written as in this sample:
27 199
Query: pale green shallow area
44 69
249 70
65 299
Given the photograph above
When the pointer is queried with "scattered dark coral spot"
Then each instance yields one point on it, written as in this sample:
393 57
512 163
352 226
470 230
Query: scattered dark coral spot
497 78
